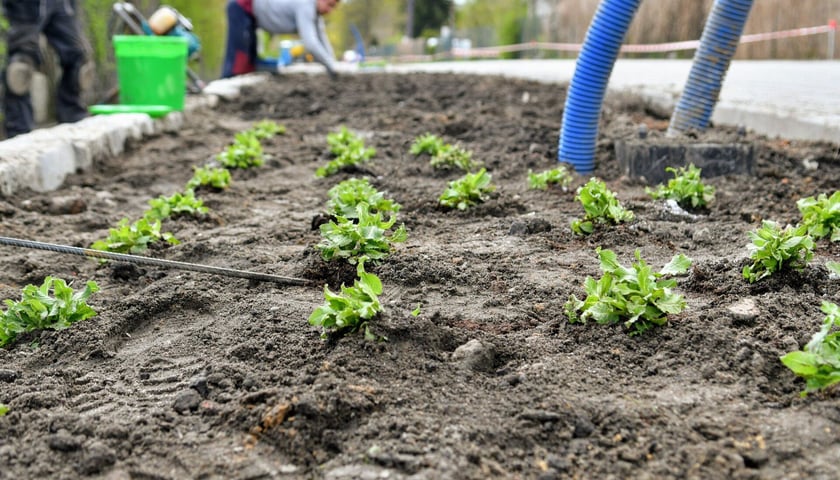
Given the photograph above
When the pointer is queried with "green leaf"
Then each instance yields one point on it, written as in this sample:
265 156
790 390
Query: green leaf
686 188
245 152
774 248
53 305
634 295
679 264
819 361
3 410
600 205
348 149
555 176
349 310
467 191
416 311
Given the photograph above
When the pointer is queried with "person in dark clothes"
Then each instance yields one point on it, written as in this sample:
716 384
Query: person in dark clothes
303 17
56 20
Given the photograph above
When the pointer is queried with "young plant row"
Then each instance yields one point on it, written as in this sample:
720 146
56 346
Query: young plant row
772 248
56 306
639 298
136 237
360 230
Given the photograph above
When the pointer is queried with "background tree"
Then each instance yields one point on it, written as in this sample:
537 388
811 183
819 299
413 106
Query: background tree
430 15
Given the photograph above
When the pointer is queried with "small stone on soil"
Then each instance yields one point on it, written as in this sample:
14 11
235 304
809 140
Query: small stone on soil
187 401
63 442
8 376
475 355
744 310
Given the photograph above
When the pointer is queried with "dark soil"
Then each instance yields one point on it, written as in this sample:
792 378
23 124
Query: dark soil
190 375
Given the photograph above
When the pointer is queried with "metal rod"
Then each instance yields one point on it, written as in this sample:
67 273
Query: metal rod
122 257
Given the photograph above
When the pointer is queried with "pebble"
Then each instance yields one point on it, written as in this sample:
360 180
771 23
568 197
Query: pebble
475 355
63 442
187 401
8 376
744 310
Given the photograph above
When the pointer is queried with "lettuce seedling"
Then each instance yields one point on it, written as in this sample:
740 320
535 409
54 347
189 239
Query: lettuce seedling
3 409
178 204
38 310
773 249
555 176
349 150
364 237
601 206
451 156
245 152
833 267
819 362
133 238
686 188
267 129
444 155
428 143
636 295
218 178
469 190
347 195
821 215
352 309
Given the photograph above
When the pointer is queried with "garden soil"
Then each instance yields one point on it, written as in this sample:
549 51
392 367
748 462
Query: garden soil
190 375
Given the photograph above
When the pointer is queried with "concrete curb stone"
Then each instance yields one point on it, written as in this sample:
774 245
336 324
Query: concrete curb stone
42 159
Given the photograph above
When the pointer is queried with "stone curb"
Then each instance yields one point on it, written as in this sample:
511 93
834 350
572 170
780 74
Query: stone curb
42 159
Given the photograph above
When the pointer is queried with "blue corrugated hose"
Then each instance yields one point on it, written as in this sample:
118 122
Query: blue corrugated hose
579 130
711 61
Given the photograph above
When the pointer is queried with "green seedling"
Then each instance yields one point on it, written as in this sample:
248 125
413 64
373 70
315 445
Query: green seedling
349 150
428 144
245 152
833 267
133 238
38 310
774 249
179 204
217 178
821 215
686 188
637 295
352 309
601 207
555 176
467 191
819 362
267 129
363 238
451 156
443 154
416 311
3 409
347 195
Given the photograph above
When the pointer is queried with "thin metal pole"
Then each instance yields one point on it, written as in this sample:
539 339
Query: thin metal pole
123 257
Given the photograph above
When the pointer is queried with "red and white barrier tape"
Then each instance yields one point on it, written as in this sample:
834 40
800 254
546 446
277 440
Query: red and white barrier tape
635 48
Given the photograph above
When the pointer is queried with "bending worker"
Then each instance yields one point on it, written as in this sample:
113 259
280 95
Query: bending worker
303 17
56 19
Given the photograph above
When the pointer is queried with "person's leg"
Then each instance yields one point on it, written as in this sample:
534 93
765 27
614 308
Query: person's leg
241 50
65 36
24 57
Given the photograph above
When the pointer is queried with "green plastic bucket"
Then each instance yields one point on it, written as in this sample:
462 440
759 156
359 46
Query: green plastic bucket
152 70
